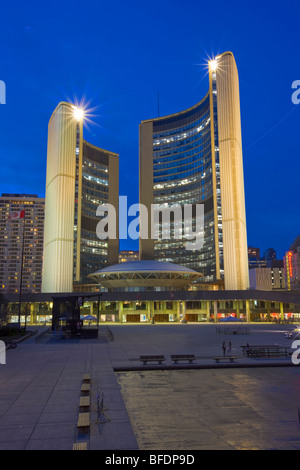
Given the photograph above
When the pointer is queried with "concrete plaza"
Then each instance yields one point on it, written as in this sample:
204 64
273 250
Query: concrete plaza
252 404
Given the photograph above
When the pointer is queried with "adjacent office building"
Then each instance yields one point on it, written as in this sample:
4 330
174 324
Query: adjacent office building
268 278
80 177
21 243
277 274
195 157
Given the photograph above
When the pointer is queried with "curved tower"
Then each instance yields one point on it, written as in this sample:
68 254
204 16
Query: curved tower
195 157
59 201
80 177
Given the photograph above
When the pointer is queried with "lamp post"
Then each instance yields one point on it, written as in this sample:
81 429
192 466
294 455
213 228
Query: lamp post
16 216
21 272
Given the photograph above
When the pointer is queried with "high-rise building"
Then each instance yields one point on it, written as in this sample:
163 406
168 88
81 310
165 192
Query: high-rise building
292 265
21 242
195 157
277 274
128 255
270 254
253 256
80 177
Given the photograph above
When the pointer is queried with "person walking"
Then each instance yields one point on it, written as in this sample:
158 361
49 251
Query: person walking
224 348
229 349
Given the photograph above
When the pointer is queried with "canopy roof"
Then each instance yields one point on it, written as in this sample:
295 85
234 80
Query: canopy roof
148 273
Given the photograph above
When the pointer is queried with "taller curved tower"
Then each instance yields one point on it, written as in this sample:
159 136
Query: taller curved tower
195 157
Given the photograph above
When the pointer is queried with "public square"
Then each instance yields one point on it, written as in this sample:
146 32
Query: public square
250 404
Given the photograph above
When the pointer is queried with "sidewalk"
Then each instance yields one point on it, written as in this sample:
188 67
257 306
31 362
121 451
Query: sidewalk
40 383
40 388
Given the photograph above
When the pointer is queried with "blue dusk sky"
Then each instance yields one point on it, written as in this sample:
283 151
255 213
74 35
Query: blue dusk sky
117 56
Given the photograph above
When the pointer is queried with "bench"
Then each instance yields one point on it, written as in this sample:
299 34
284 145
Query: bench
84 402
85 389
80 446
86 378
182 357
225 358
157 358
83 420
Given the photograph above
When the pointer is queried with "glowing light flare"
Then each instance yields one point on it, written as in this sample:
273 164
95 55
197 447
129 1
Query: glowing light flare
78 113
213 65
82 112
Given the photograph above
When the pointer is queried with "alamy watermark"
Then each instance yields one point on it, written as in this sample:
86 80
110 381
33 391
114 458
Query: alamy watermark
164 222
2 352
296 94
296 354
2 92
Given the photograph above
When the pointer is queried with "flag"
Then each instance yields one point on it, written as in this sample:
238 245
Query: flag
16 215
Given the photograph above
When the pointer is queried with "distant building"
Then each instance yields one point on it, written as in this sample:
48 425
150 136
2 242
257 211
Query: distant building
20 212
265 273
260 279
257 261
292 265
80 177
253 256
127 255
277 274
270 254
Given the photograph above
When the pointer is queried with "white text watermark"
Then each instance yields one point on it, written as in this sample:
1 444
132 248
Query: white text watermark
2 352
2 92
163 223
295 355
296 94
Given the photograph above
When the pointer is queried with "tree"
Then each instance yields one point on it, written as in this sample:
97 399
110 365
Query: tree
4 312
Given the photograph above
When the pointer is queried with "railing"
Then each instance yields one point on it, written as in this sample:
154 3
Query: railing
233 329
265 351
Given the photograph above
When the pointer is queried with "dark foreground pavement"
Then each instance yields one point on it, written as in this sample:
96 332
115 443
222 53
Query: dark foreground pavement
40 388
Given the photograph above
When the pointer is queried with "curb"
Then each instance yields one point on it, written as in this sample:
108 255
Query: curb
201 366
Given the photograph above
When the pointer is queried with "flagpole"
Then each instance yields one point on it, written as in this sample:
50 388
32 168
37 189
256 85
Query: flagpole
21 274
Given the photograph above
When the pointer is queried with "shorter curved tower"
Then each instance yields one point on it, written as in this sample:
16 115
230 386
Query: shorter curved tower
80 177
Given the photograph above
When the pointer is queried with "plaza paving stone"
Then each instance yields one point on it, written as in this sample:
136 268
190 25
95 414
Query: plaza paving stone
252 404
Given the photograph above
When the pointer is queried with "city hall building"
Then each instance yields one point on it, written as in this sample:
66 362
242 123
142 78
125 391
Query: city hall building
192 157
195 157
146 292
